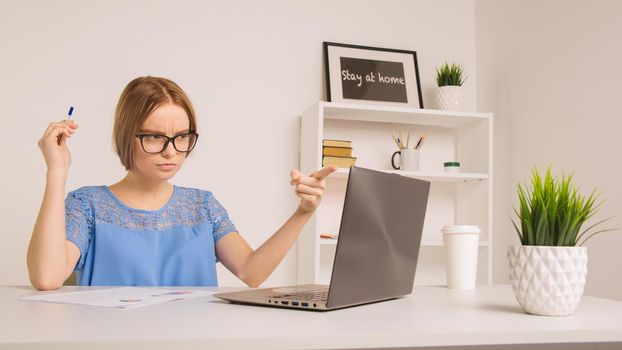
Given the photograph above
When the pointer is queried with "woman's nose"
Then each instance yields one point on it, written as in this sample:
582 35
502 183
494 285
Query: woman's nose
169 151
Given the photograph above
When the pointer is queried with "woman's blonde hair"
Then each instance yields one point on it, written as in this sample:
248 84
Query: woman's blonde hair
138 100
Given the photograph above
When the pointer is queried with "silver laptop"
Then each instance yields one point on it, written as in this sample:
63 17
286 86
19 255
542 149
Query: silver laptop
377 248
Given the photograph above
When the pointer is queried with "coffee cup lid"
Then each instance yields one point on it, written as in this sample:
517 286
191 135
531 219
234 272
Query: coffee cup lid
461 229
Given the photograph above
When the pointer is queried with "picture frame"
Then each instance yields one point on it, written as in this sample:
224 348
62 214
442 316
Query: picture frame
372 75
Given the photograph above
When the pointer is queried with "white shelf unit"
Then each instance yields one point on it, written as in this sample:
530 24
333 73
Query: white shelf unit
463 198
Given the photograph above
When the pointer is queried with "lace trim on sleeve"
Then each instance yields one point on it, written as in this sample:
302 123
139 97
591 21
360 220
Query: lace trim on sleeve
218 217
79 222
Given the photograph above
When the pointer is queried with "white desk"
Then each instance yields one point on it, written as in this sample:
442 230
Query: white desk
431 316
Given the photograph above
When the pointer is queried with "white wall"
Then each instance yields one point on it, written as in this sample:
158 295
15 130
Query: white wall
550 71
249 67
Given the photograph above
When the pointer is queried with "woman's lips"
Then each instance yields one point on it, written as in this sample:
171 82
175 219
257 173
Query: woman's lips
167 166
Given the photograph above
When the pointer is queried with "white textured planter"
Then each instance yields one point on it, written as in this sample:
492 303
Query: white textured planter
450 98
548 281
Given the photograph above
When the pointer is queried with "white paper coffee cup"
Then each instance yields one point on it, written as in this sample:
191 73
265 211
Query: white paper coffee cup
461 248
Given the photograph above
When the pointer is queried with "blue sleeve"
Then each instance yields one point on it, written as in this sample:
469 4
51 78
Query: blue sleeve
79 222
218 216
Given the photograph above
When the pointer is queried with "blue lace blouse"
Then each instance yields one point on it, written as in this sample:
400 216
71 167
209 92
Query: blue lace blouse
122 246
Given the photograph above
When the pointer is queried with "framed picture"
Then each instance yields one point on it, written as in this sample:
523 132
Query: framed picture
363 74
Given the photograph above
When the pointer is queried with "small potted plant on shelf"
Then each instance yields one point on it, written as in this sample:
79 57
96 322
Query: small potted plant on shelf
450 93
549 269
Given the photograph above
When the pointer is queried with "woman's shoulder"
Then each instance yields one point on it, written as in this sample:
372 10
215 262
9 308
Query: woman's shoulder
203 200
86 192
193 192
198 197
84 199
194 196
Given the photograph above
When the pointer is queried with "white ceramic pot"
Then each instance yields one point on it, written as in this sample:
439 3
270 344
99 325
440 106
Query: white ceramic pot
450 98
548 281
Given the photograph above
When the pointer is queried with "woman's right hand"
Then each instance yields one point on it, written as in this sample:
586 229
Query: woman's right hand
57 155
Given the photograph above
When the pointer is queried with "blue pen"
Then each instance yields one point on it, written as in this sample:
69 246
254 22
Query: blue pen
60 137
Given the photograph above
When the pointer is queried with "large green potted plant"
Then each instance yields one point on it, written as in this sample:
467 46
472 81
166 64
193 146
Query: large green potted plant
450 93
549 269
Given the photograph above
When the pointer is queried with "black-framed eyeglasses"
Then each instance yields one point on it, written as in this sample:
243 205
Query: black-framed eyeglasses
157 143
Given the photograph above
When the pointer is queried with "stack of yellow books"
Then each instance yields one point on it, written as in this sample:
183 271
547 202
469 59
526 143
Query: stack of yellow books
337 153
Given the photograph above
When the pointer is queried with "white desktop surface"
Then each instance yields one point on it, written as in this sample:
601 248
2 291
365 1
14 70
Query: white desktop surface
431 316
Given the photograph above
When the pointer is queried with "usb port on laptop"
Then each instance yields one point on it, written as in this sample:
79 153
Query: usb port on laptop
295 303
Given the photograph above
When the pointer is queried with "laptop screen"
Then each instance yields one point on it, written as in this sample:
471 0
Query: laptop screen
379 237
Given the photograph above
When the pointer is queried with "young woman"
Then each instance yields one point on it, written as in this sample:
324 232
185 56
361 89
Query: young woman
143 230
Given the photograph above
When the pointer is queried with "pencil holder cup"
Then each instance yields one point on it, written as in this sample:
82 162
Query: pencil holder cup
408 160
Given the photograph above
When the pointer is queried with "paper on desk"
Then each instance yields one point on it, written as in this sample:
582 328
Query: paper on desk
123 297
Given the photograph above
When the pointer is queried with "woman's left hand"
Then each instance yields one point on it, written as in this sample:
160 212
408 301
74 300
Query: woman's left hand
310 188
